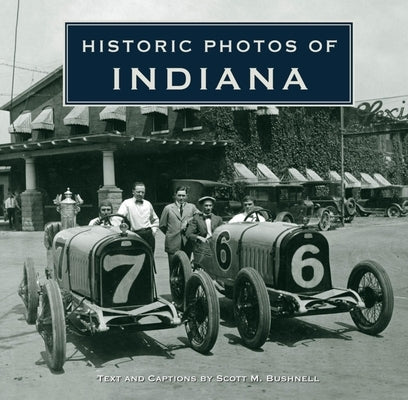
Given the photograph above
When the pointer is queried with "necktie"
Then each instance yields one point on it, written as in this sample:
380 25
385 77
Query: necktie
181 209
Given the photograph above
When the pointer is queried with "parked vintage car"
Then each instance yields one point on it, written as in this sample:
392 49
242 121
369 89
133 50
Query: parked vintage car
102 278
391 201
225 205
328 194
282 270
286 203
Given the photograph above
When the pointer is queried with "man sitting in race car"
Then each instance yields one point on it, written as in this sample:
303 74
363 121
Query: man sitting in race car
105 209
202 225
249 206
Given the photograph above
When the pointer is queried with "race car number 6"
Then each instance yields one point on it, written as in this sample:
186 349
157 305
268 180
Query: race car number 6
298 265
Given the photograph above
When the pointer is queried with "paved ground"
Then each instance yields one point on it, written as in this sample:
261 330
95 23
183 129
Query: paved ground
339 361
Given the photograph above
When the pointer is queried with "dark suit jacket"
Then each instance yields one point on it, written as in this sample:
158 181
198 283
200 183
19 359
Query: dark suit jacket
172 224
198 227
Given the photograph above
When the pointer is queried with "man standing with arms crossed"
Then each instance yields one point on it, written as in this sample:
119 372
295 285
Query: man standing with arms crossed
173 222
140 213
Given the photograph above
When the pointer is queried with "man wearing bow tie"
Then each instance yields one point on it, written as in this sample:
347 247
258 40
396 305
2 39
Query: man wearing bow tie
173 222
203 224
141 215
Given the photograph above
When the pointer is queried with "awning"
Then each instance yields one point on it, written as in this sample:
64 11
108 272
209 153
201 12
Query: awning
78 116
243 174
381 180
368 182
180 108
113 112
153 109
271 110
313 175
245 108
22 124
295 175
45 120
265 174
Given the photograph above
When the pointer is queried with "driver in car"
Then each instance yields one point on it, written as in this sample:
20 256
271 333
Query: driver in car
105 209
249 207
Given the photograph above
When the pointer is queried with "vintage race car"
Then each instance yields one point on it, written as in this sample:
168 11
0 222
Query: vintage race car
102 278
278 269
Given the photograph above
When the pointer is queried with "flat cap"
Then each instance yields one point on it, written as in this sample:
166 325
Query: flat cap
203 199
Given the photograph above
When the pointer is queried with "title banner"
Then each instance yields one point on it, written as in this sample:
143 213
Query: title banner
208 64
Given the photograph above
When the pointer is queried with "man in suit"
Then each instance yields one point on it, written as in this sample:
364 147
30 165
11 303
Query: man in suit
203 224
173 223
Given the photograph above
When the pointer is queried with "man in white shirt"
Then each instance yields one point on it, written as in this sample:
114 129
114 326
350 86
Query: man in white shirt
10 204
141 215
249 206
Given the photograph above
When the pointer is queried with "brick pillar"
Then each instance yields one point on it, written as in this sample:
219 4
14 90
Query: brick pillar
32 214
32 210
109 191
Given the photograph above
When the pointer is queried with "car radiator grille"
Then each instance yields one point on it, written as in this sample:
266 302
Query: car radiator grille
259 258
79 273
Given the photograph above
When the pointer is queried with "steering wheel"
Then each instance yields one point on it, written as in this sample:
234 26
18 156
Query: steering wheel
108 217
258 212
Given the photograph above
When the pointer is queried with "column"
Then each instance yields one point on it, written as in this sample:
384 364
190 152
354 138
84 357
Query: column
109 191
32 214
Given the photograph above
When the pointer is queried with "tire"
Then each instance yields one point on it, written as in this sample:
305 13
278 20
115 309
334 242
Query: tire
252 310
349 219
28 291
324 221
373 285
180 273
393 212
284 217
350 206
51 325
202 312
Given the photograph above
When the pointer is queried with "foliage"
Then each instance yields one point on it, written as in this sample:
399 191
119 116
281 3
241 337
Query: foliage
302 138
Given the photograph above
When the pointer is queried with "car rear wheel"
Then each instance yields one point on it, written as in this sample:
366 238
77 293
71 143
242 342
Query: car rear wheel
180 273
372 283
28 291
51 325
251 308
202 312
393 212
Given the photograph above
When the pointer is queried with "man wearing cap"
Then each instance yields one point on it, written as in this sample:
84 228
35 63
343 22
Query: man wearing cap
173 222
203 224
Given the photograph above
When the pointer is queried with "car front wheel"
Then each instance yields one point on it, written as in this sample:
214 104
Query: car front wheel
202 312
252 310
51 325
180 272
373 285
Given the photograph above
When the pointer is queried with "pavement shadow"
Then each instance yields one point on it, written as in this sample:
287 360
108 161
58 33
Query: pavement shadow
292 331
101 348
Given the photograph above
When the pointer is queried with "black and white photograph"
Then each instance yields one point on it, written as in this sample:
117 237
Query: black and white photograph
203 200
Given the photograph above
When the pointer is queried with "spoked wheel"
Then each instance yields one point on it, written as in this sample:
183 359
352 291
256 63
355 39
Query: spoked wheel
202 312
373 285
251 308
324 220
180 273
28 291
393 212
51 325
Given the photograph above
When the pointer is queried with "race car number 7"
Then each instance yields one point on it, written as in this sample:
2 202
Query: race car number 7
315 269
